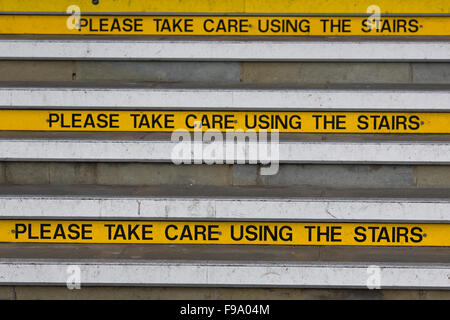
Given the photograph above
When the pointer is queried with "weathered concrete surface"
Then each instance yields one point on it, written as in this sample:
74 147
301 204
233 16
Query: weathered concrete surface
342 176
159 71
324 72
73 253
219 72
49 173
364 176
248 193
226 48
341 72
180 293
245 175
147 174
431 73
154 174
2 173
432 176
7 293
228 72
72 173
180 202
27 173
37 71
135 174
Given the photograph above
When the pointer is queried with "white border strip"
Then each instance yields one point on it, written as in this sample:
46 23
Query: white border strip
220 275
365 152
226 50
204 208
225 99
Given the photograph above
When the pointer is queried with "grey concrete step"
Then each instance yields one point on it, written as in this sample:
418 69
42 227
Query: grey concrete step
213 50
223 266
160 147
225 203
88 95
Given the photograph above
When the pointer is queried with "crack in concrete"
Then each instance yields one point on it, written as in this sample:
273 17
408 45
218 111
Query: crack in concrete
139 207
329 213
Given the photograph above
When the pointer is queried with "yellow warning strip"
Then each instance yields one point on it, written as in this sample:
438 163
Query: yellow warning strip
168 121
257 233
224 26
230 6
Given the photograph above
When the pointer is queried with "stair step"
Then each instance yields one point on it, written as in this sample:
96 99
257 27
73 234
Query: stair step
245 97
225 203
219 266
230 50
158 147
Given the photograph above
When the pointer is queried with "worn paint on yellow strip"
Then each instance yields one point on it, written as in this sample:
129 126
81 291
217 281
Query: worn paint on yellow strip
230 6
257 233
167 121
224 26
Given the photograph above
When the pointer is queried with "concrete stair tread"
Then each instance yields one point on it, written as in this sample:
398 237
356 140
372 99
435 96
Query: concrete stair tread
230 203
206 96
187 266
184 48
293 148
